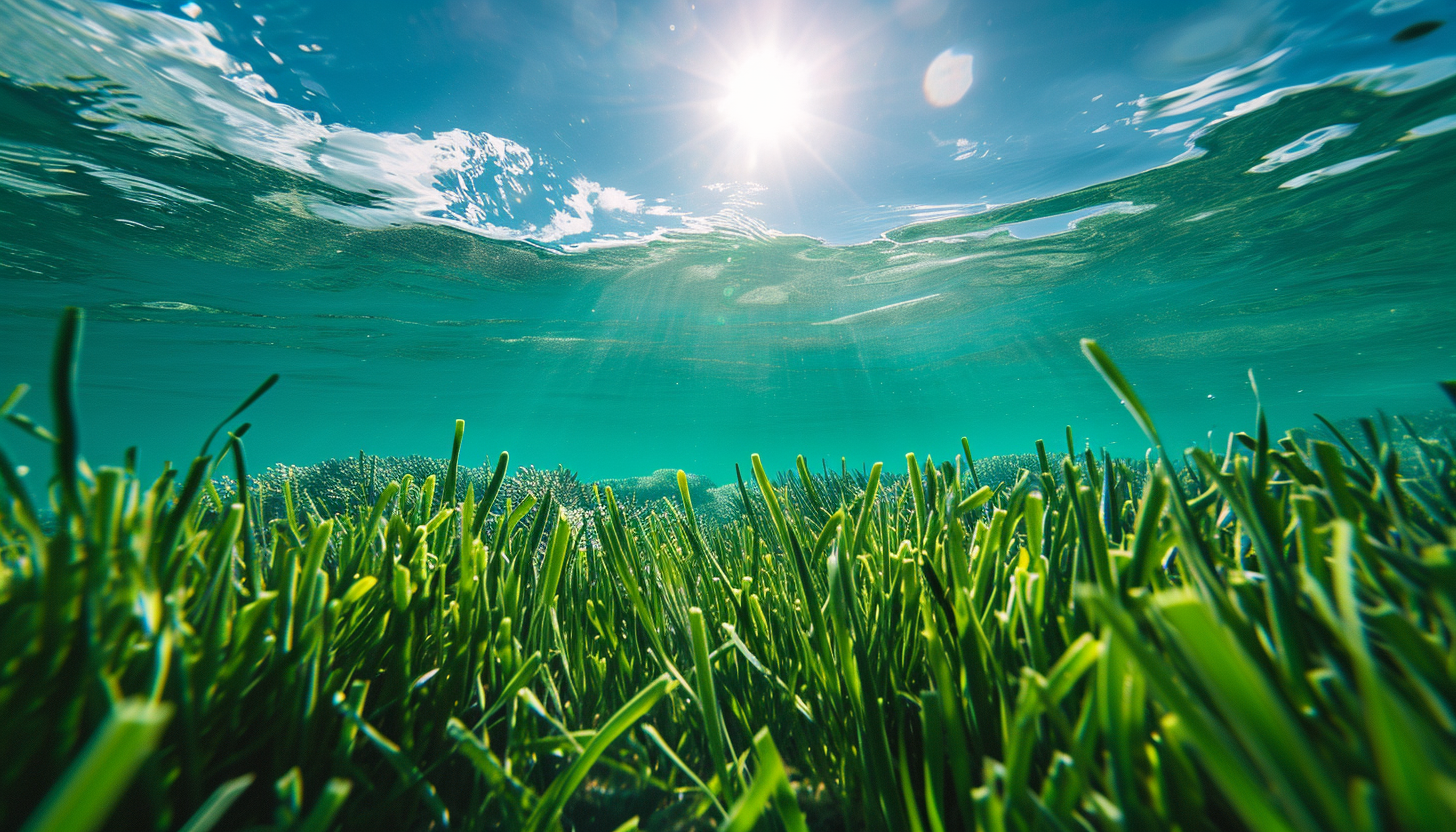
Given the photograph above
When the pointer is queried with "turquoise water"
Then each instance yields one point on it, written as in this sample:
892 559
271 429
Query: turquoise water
1304 231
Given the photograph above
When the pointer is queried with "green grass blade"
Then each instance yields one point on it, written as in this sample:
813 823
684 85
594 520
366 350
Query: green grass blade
766 781
328 804
248 402
548 811
677 762
83 798
410 775
452 474
64 367
217 805
1122 387
707 696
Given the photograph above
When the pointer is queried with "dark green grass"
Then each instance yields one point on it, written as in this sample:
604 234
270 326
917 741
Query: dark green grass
1260 640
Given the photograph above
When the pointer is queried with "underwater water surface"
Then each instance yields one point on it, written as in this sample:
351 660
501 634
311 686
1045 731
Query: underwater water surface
1207 191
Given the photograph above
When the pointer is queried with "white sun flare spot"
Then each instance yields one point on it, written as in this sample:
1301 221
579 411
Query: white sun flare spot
765 97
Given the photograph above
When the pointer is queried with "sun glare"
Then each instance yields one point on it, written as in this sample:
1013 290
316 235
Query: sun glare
764 98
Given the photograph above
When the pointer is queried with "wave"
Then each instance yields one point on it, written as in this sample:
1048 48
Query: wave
140 101
163 81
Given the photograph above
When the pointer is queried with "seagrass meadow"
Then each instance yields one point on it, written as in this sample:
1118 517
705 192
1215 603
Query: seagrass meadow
1259 639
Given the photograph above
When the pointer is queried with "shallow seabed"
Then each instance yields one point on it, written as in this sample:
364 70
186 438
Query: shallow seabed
1246 641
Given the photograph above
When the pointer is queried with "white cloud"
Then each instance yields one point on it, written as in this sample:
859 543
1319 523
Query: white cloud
612 199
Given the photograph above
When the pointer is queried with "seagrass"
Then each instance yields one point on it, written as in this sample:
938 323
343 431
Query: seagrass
1259 639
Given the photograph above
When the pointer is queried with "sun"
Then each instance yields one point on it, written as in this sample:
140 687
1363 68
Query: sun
764 98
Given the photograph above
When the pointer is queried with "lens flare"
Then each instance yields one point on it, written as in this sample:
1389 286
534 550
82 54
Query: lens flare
947 79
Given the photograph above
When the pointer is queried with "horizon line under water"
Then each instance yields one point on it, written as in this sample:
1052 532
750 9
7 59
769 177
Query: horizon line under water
216 234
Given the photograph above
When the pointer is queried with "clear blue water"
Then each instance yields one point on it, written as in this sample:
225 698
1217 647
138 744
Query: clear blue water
627 236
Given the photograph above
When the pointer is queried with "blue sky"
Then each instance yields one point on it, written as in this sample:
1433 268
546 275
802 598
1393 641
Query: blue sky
631 94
